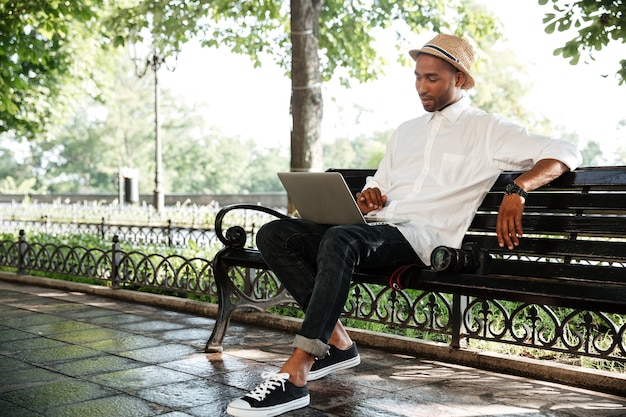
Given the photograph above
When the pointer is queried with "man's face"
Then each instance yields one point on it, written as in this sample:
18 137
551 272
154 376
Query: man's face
437 82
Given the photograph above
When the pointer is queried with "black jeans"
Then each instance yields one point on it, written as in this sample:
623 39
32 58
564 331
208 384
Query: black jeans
315 264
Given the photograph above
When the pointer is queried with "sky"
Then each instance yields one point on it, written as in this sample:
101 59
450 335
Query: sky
253 103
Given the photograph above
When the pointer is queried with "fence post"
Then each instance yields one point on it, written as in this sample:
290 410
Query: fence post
169 233
102 228
21 258
115 263
45 219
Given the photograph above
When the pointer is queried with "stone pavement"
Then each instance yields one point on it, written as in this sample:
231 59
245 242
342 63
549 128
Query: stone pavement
70 354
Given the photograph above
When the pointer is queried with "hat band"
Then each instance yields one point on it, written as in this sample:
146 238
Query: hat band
438 49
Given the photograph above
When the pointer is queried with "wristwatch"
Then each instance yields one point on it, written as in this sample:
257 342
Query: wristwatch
512 188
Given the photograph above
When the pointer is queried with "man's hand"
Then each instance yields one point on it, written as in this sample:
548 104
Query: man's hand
370 199
509 223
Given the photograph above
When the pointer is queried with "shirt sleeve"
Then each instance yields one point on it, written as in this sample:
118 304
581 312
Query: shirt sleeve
517 149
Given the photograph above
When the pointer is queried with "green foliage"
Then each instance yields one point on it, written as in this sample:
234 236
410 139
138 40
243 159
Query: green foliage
597 23
86 240
91 241
168 25
8 185
347 43
592 154
87 152
51 36
365 151
500 84
261 28
53 61
50 52
217 164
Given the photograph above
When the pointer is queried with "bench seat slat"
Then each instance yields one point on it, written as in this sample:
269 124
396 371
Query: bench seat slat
556 292
597 273
248 258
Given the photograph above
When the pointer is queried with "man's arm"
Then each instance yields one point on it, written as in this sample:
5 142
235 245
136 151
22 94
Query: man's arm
509 223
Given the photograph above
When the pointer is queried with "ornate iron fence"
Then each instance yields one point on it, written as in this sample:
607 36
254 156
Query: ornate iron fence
113 266
565 331
166 235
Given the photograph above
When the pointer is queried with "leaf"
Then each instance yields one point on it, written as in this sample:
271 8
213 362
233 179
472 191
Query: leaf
548 17
564 25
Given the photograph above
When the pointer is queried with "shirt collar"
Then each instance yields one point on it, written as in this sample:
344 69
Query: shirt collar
453 111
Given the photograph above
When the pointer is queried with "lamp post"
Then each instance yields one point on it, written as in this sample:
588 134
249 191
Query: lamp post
154 62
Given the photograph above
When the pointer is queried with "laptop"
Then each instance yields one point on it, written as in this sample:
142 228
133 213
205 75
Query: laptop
325 198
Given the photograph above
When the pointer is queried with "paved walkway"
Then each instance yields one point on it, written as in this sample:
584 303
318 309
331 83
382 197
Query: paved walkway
70 354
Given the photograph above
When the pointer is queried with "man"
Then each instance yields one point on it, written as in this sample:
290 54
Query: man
436 171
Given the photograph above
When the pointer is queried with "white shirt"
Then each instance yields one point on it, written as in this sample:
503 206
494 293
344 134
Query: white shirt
438 168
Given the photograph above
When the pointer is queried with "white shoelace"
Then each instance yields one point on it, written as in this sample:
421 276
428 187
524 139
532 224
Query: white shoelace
272 381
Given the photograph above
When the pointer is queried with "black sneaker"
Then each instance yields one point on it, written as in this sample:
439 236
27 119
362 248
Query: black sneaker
273 397
336 360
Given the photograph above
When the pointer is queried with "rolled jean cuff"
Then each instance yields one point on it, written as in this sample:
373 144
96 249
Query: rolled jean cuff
315 347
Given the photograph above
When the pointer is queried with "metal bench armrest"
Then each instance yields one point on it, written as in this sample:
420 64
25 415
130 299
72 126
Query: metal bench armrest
235 236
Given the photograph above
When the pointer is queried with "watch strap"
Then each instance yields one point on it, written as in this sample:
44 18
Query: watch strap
512 188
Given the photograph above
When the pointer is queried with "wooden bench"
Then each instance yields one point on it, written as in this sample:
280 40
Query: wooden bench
573 255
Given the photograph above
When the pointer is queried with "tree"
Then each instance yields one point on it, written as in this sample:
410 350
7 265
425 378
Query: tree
327 38
342 32
592 154
47 58
313 40
597 23
306 89
364 151
16 175
88 152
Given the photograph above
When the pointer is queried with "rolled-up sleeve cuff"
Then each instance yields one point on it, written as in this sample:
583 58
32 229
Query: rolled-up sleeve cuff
567 153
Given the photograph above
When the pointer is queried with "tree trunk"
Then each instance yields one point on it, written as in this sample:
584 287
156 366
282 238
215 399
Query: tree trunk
306 92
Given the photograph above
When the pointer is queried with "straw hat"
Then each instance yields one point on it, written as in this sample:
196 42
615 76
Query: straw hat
453 49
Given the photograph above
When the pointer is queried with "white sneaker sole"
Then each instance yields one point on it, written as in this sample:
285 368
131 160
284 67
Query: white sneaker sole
237 409
321 373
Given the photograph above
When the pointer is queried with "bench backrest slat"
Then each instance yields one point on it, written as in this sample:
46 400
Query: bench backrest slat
600 251
612 177
534 223
571 201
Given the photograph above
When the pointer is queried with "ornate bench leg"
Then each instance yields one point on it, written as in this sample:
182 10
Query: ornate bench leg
225 309
459 304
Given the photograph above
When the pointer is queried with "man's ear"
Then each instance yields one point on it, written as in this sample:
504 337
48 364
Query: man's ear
460 79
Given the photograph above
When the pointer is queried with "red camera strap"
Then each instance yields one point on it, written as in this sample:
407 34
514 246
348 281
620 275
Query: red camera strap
395 280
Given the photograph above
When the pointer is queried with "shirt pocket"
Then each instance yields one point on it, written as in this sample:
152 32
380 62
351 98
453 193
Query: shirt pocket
455 170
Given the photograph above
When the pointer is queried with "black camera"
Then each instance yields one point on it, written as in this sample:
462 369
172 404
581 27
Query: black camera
470 258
